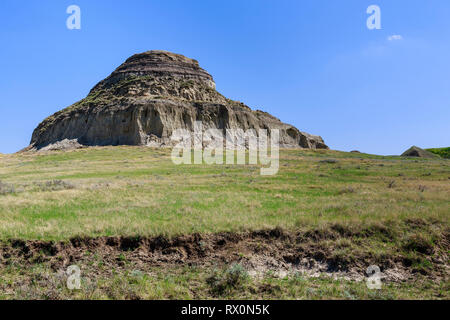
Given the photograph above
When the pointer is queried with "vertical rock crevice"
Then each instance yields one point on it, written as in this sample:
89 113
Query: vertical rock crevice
148 97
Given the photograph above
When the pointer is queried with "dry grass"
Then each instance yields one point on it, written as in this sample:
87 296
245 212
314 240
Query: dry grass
138 191
345 206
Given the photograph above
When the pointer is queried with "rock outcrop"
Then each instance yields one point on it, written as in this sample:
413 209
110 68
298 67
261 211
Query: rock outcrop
418 152
148 97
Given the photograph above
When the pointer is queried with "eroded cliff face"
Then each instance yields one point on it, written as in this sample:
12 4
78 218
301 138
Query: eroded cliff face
148 97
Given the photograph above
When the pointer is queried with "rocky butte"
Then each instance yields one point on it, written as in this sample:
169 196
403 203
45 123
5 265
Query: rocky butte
148 97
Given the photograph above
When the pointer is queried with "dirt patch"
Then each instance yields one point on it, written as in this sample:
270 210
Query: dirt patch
273 251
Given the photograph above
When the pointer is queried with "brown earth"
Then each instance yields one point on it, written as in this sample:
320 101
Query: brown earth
419 153
260 251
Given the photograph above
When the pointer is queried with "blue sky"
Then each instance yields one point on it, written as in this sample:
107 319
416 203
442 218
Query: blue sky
311 63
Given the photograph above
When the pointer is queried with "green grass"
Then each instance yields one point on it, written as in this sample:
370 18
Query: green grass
443 152
138 191
195 283
360 206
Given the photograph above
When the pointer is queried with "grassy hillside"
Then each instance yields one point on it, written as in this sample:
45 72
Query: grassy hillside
443 152
339 211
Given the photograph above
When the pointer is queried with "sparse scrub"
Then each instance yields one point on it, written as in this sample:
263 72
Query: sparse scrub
6 188
329 161
347 190
55 185
223 282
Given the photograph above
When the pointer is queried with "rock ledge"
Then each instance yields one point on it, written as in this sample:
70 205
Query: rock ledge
148 97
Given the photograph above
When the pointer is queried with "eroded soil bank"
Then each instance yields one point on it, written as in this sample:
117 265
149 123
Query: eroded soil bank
332 252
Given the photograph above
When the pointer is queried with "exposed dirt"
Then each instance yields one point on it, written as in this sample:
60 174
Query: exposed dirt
276 251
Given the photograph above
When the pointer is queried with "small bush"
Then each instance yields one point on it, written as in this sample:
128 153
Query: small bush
347 190
6 188
225 282
329 161
55 185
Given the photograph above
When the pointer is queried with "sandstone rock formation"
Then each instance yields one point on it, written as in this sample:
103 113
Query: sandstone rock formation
149 96
418 152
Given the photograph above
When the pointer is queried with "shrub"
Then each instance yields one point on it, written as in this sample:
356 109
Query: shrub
329 161
347 190
55 185
6 188
223 282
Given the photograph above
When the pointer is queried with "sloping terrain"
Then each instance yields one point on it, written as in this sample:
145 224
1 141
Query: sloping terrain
140 227
443 152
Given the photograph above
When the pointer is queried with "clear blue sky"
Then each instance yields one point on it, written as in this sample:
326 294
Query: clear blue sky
311 63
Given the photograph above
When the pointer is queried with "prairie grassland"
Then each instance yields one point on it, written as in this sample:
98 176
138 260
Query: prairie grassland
134 191
347 206
195 283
